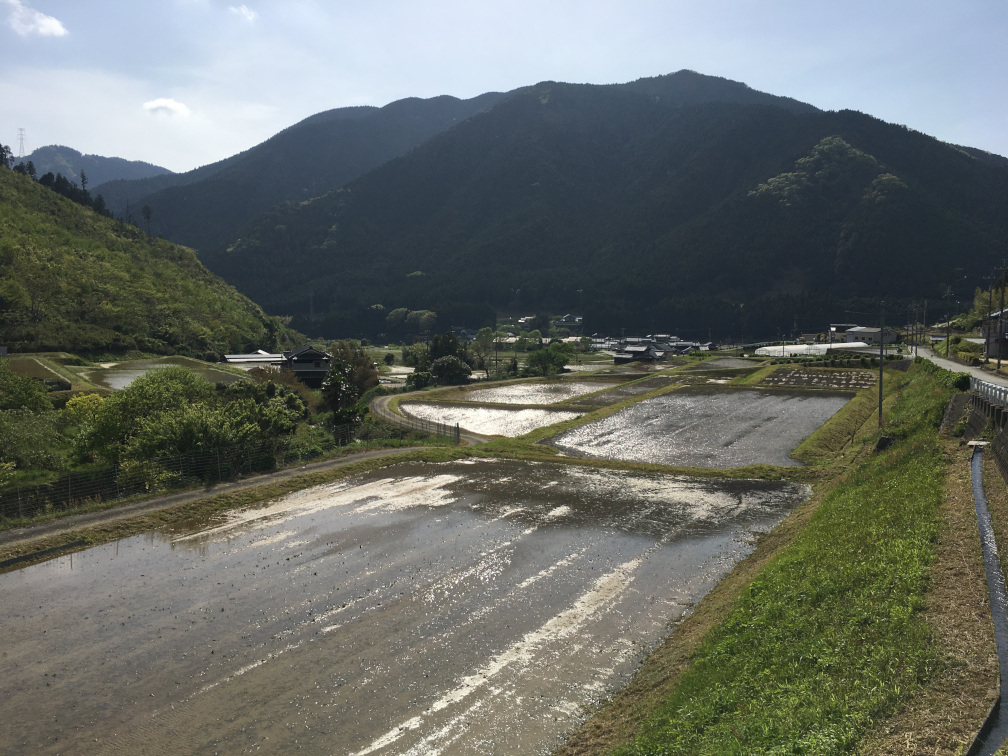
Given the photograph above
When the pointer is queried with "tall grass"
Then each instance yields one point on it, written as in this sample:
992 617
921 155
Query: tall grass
829 638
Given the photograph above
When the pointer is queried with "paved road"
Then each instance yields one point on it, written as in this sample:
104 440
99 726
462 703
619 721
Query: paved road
958 367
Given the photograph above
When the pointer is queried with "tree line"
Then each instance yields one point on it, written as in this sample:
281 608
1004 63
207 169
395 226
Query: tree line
65 187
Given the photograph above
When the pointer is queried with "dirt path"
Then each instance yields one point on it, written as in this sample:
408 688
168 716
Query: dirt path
18 536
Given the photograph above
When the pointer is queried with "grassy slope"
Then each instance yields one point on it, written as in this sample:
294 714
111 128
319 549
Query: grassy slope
73 280
828 630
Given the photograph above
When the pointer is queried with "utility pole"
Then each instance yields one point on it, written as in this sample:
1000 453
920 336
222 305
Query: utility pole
948 320
881 360
990 319
1000 327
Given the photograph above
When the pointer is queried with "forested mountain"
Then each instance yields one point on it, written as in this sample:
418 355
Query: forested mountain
206 208
69 162
679 203
73 280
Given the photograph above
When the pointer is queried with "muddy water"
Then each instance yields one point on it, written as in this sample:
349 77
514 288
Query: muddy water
715 429
461 608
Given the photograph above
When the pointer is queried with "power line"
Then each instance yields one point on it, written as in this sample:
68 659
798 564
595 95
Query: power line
21 134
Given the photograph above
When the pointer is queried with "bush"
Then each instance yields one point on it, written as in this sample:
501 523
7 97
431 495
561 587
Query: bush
418 380
450 370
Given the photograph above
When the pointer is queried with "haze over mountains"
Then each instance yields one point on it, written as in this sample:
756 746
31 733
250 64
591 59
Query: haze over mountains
680 202
98 169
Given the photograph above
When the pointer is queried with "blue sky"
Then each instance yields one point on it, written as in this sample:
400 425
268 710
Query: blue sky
182 83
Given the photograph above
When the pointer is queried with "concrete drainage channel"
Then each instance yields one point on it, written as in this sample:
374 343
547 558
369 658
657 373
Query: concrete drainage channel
995 729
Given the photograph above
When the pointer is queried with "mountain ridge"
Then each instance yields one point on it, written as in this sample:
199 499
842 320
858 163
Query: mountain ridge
570 197
57 158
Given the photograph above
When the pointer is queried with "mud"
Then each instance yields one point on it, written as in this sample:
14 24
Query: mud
460 608
712 428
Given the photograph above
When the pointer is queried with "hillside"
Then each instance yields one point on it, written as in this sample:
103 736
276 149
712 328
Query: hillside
98 169
75 281
206 208
714 213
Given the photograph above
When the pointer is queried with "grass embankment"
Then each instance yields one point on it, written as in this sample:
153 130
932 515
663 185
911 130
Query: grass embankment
827 631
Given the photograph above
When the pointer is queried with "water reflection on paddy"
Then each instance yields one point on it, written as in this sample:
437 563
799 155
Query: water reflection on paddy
468 607
490 421
536 393
714 429
122 374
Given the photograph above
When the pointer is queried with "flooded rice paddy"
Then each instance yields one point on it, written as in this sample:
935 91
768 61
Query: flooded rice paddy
463 608
489 421
548 392
120 375
714 429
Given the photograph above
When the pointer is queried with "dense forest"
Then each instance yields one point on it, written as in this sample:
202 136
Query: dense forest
207 207
639 211
74 280
58 159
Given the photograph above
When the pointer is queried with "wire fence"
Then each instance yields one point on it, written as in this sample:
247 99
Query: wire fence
83 488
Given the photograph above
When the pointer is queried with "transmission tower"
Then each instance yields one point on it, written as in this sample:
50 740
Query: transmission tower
21 143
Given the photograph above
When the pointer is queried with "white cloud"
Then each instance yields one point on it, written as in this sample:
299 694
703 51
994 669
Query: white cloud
28 21
244 11
167 107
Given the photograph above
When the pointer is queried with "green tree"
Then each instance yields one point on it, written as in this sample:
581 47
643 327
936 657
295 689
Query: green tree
421 322
147 213
342 396
19 392
450 370
417 356
121 416
482 346
363 371
30 440
529 341
550 360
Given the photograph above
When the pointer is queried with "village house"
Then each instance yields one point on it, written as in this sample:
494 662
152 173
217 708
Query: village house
309 364
869 335
995 336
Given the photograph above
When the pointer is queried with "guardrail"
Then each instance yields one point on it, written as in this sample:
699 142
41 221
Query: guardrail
994 394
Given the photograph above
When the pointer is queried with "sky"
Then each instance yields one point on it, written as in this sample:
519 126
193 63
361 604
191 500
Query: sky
184 83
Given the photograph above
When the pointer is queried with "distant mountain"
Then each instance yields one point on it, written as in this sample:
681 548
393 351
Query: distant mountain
206 208
682 203
73 280
98 169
